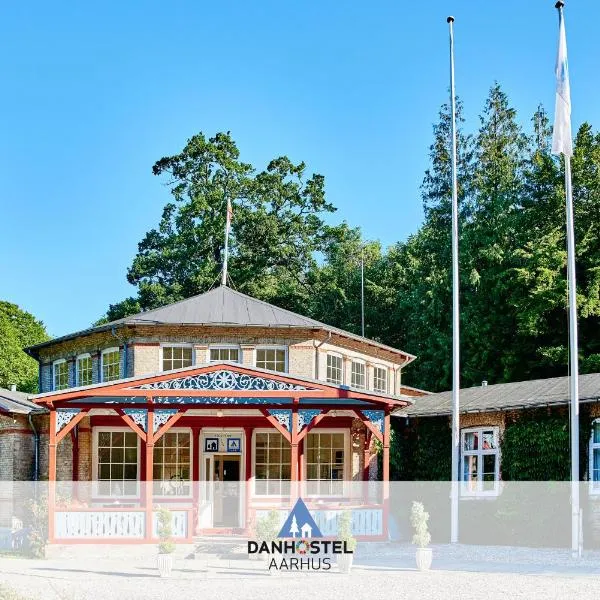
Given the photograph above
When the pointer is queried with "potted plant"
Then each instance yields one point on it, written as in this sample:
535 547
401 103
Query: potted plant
344 561
166 545
421 537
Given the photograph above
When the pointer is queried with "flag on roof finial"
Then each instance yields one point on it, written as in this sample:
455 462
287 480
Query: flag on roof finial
227 230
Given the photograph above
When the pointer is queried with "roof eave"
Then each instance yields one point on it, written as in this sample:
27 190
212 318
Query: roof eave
33 351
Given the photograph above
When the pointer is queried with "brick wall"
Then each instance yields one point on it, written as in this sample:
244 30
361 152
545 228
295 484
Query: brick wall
146 358
301 359
143 347
16 464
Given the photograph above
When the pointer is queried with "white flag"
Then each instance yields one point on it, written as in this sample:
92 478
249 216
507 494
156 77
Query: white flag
229 215
561 137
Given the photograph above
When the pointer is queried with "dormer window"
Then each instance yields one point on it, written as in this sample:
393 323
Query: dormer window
176 357
60 370
358 374
380 376
273 359
111 364
335 368
83 370
221 353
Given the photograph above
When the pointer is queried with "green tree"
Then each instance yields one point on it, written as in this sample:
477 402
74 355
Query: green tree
18 329
277 230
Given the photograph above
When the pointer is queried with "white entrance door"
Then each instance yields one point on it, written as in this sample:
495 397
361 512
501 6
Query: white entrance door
222 476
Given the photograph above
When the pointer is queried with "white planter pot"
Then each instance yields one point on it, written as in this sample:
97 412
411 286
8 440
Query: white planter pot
164 562
424 556
344 562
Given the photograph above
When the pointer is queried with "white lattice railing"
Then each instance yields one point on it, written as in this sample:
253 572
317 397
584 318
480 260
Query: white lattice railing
99 524
180 523
365 521
113 524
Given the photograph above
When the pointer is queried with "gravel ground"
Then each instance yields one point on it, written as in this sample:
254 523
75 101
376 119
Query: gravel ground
458 572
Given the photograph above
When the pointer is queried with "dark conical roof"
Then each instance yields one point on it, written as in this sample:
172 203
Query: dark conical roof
222 306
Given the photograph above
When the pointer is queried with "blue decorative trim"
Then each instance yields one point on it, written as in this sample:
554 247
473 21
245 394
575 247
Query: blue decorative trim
162 416
376 417
139 416
283 415
64 416
305 416
205 400
220 380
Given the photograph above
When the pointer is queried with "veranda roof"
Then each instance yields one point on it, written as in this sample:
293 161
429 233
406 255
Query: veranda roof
228 381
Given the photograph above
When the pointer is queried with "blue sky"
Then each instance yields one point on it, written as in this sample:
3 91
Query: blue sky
94 93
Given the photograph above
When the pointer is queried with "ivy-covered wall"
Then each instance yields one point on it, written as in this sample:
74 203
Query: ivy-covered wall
420 449
534 445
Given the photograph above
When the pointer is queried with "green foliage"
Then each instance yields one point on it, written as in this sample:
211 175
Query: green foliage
7 593
512 248
535 447
37 523
421 451
18 329
345 530
277 228
268 526
165 531
418 520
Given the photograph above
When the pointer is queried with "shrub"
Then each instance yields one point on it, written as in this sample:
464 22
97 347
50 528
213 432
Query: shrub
165 532
37 525
345 530
268 526
418 519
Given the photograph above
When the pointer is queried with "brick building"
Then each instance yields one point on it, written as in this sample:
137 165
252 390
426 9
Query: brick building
265 397
510 432
21 422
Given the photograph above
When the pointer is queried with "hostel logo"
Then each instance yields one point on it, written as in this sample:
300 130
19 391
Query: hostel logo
300 545
300 521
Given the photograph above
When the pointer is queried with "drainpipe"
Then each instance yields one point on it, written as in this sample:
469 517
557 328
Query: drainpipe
36 449
124 360
317 346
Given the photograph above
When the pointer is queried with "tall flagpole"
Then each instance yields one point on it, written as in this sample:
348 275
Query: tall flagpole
455 309
573 362
562 143
362 291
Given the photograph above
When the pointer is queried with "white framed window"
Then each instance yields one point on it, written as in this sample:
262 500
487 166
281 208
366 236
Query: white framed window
116 461
480 461
172 463
83 370
335 368
380 378
177 356
358 374
594 460
220 353
326 453
272 463
111 364
271 358
60 374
